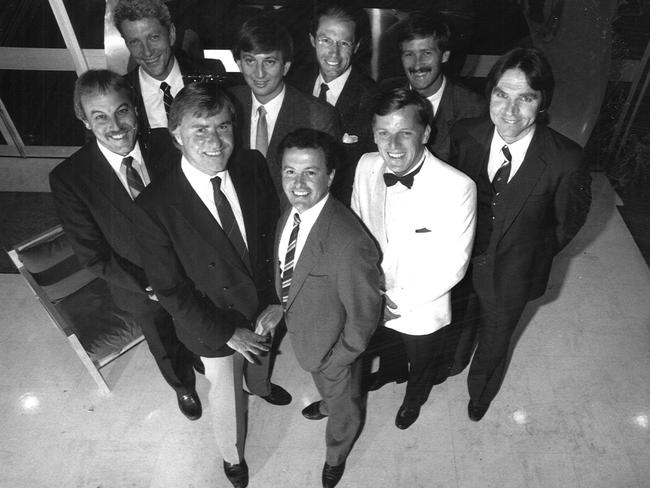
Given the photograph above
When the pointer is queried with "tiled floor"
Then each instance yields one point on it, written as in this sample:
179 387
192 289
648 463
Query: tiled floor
573 411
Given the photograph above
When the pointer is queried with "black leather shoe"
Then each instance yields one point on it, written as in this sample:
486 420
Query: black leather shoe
476 411
198 365
278 396
312 412
237 473
406 416
332 475
190 405
379 382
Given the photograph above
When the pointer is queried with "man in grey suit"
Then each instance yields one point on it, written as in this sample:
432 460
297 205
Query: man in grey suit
268 108
329 282
424 42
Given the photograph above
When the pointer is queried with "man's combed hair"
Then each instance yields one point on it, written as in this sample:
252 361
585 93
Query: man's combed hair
133 10
100 81
342 10
313 139
419 26
263 34
199 100
537 70
393 100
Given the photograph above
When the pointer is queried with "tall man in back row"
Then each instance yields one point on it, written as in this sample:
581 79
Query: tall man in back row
533 197
94 192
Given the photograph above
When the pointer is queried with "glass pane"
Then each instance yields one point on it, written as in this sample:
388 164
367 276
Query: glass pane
40 105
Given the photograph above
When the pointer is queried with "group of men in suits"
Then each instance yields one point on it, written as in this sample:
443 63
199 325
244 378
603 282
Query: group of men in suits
237 229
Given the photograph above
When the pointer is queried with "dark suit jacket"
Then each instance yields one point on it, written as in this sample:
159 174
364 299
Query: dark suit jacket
334 302
544 206
355 107
457 103
99 218
297 111
192 266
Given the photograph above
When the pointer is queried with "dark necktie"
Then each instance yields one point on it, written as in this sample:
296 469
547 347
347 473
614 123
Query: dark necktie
262 135
322 95
287 272
132 177
167 96
228 221
407 180
500 179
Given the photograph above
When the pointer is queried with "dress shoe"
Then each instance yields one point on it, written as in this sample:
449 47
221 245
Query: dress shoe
237 473
190 405
476 411
198 365
378 382
278 396
312 412
406 416
332 475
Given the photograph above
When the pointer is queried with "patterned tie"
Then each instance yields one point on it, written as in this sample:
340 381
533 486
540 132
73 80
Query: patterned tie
500 179
287 272
132 177
167 96
228 222
322 95
262 136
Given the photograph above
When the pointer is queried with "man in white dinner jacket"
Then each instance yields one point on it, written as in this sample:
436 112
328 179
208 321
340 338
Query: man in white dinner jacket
422 213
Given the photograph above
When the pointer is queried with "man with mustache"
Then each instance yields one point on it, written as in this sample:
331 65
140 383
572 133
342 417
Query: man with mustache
93 192
424 43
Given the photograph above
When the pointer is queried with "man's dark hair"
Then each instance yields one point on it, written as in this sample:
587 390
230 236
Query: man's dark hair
344 11
419 26
133 10
312 139
199 100
99 81
390 101
537 70
263 34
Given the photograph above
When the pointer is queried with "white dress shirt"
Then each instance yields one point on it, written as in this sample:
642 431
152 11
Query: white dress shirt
517 151
335 86
201 183
272 111
437 96
115 160
307 220
152 95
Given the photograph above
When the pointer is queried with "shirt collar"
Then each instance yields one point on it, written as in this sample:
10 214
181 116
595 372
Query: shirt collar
308 217
435 98
336 85
518 148
414 168
115 160
272 106
174 78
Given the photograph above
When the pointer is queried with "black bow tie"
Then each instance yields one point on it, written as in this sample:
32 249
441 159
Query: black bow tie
407 180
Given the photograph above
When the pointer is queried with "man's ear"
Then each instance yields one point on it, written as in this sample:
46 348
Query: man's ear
285 70
176 133
427 133
312 40
331 178
86 124
238 61
172 35
445 56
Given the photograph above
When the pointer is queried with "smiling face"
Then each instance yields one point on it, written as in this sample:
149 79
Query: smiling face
400 139
150 43
206 141
514 105
305 179
335 45
422 62
263 73
112 119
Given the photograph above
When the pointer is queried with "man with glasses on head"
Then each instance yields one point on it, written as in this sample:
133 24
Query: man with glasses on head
335 37
270 108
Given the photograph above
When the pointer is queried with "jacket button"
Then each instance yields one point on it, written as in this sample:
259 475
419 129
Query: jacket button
211 265
230 305
225 288
267 261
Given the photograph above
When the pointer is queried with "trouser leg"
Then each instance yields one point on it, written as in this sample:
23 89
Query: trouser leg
426 356
387 345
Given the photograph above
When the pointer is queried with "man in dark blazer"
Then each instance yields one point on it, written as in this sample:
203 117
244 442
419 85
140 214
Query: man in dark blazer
149 34
93 192
335 38
424 42
533 197
329 283
268 108
207 248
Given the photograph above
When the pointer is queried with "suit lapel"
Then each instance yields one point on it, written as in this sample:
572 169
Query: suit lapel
247 197
311 252
276 250
349 98
192 210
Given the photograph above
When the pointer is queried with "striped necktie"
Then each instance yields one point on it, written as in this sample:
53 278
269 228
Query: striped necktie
132 177
167 96
287 272
502 175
